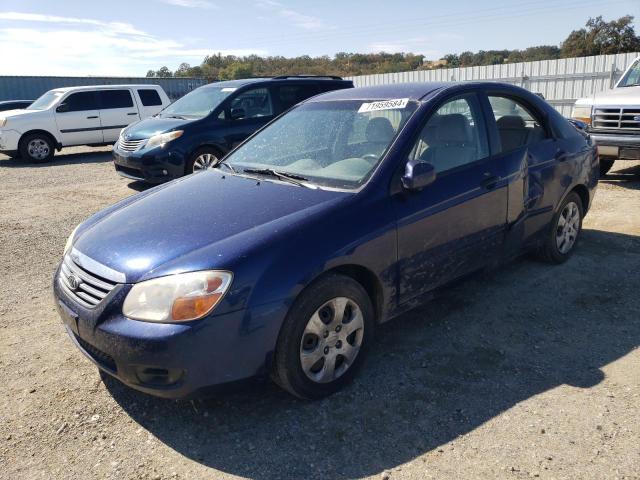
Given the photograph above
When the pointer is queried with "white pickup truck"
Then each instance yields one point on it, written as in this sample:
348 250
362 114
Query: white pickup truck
63 117
613 119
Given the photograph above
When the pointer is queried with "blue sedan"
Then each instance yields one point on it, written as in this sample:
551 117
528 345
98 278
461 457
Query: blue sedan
339 215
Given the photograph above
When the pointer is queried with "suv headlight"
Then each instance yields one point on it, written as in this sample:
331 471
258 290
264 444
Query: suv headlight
70 240
582 113
3 122
177 298
161 139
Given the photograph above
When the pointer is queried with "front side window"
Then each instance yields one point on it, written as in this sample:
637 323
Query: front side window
197 104
115 99
317 141
517 126
453 136
46 100
81 101
632 78
252 103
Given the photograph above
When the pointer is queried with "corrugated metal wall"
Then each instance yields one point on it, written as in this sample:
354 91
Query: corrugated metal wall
30 88
561 82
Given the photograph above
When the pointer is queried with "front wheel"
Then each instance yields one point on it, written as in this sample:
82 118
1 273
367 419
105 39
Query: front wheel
324 337
565 229
202 159
37 147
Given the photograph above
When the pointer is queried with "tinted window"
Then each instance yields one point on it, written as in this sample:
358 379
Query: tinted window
77 102
149 97
517 125
453 136
289 95
252 104
115 99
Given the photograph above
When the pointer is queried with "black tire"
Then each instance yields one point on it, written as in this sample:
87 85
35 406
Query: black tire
605 165
37 147
287 366
203 151
550 251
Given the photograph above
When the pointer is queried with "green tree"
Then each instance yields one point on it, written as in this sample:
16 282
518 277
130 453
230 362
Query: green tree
600 37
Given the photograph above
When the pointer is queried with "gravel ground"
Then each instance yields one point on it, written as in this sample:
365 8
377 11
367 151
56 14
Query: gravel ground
526 371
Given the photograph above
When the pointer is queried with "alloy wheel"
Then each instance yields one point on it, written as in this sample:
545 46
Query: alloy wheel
331 340
568 227
205 161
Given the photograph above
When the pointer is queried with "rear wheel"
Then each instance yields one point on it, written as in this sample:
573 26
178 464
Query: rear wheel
203 159
605 165
37 147
565 230
324 337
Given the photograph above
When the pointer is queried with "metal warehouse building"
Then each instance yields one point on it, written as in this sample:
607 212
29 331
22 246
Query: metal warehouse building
30 88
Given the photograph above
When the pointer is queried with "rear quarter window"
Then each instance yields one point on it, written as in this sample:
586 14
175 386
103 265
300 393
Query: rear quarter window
149 97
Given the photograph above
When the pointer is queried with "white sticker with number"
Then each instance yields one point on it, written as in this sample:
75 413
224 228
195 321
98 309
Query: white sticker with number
383 105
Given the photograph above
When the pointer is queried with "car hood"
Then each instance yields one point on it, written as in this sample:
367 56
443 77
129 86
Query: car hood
616 96
19 113
152 126
207 212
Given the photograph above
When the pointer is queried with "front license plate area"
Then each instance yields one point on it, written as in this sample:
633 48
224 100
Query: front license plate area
69 317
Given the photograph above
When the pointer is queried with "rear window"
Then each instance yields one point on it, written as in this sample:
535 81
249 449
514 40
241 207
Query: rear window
149 97
115 99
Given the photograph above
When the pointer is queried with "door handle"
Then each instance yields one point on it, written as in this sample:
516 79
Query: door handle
92 117
132 113
489 181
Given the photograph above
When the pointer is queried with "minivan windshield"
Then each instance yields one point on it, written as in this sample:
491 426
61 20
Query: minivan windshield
335 144
46 100
197 104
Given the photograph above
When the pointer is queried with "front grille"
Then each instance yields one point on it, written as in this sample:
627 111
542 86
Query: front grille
616 118
99 356
85 287
131 145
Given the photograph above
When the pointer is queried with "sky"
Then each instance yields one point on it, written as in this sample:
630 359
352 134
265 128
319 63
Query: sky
129 37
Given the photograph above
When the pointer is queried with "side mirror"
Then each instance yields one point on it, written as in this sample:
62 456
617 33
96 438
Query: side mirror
63 107
237 113
418 175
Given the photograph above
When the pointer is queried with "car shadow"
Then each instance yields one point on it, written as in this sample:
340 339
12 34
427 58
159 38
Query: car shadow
59 160
438 372
628 177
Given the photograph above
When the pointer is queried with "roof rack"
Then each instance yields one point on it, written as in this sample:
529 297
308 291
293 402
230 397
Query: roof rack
332 77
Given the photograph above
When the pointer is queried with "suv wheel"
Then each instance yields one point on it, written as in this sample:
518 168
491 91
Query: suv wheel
202 159
37 147
324 337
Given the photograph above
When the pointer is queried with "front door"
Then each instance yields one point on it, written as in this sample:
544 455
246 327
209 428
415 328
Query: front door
246 113
117 110
78 119
456 224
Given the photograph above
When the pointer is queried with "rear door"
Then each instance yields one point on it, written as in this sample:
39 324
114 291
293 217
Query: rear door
245 113
78 119
117 110
286 96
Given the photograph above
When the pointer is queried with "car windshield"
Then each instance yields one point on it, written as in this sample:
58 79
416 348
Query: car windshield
46 100
335 144
632 77
198 103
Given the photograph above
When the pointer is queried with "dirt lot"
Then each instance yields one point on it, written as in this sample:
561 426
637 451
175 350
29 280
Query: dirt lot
527 371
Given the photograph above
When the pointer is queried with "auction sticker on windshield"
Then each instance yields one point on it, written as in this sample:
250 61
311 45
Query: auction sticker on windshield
383 105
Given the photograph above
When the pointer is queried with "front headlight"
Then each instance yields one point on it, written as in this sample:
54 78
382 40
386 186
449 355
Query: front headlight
582 113
72 236
161 139
177 298
3 122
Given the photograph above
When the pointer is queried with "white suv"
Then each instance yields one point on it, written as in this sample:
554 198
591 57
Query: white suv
69 116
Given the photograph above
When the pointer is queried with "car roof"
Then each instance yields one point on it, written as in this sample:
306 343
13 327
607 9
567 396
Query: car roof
106 87
292 78
413 91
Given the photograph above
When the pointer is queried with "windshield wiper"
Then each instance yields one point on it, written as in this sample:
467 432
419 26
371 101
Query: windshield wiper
225 164
289 177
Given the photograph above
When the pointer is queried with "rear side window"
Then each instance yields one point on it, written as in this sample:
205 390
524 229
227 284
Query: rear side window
289 95
115 99
77 102
149 97
517 125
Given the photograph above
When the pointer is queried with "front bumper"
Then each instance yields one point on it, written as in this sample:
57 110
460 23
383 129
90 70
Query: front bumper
155 166
172 360
9 140
620 146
